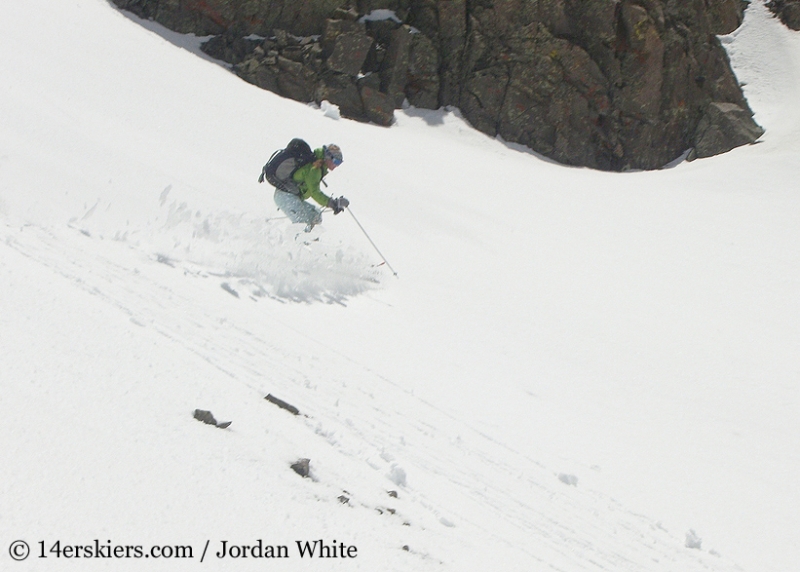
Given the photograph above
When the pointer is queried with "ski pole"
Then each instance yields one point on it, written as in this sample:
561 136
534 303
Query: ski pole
372 243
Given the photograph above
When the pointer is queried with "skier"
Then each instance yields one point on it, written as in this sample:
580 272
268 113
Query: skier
304 184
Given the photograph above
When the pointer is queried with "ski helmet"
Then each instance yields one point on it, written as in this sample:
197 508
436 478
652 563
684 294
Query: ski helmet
334 153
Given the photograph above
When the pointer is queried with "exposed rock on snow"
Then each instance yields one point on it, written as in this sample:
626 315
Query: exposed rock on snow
282 404
207 418
302 467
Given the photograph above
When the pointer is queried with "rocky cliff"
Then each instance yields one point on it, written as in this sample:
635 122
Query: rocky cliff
608 84
788 11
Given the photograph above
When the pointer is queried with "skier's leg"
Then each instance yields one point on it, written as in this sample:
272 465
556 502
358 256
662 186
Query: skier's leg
297 209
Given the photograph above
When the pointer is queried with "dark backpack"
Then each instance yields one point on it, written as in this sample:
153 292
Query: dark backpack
284 162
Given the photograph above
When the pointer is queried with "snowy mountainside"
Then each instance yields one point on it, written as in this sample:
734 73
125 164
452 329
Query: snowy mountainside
115 426
572 370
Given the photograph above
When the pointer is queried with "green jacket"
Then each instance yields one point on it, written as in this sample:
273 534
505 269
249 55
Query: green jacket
308 178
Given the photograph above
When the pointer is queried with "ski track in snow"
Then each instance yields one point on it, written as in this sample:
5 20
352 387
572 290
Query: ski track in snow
362 418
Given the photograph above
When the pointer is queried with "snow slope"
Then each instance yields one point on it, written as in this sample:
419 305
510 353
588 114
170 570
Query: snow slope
572 370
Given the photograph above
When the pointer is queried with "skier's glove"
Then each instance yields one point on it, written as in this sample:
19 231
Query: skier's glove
338 205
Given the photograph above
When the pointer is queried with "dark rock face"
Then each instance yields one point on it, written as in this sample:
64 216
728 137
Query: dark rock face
723 127
788 11
608 84
205 17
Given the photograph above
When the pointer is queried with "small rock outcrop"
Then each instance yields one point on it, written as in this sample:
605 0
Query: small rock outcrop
302 467
788 11
282 404
607 84
208 418
723 127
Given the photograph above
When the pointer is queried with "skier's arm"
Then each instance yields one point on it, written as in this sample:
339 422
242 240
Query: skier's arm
312 178
316 193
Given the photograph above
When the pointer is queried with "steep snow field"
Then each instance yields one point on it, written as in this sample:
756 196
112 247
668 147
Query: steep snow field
573 370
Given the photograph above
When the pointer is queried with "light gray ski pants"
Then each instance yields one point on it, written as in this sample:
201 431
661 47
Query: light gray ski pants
297 209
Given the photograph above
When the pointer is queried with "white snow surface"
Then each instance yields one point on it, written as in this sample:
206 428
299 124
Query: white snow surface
573 370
